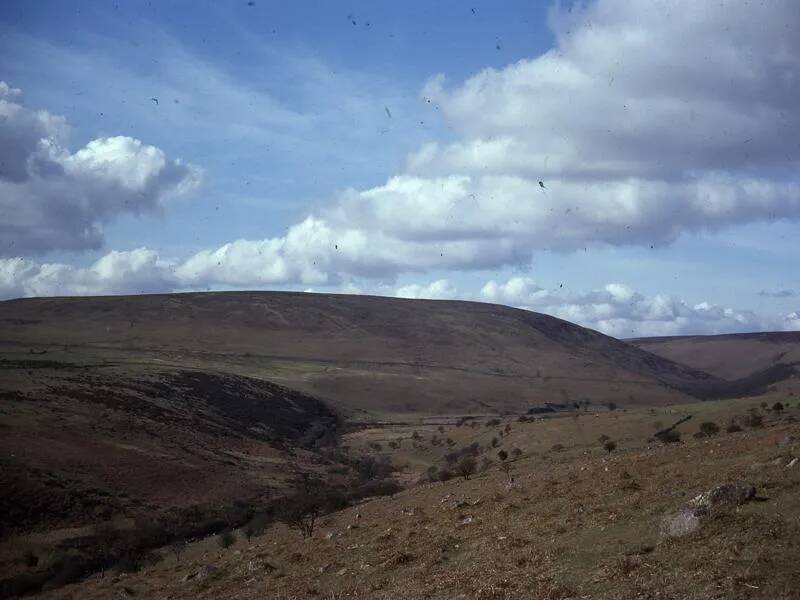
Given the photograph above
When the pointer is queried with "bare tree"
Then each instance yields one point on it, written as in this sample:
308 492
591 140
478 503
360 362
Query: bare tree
466 467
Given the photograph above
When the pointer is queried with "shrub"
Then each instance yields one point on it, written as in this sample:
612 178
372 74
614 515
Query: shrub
673 436
30 559
492 422
176 549
445 475
733 428
557 447
495 442
610 446
754 420
516 452
611 406
466 467
226 539
709 428
502 455
777 407
603 439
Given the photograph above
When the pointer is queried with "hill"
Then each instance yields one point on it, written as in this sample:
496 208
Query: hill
728 356
363 355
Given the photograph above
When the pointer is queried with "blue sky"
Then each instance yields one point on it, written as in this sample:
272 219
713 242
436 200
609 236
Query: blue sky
397 149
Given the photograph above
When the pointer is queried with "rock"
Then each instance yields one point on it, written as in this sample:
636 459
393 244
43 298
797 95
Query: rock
688 519
725 495
680 523
123 594
330 535
201 573
792 463
341 571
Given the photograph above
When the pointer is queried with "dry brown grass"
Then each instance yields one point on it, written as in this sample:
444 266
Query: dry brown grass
573 528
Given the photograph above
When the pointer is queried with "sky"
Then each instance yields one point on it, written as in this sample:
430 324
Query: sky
628 166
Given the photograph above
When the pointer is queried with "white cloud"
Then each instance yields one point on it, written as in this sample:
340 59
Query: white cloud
441 289
131 272
640 126
620 311
53 199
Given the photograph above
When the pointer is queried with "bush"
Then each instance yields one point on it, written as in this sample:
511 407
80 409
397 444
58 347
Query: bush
445 475
603 439
466 467
492 422
557 447
733 428
610 446
495 442
709 428
777 407
673 436
754 420
502 455
226 539
30 559
516 452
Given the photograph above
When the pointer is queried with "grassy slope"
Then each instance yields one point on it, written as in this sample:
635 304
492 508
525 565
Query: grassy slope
727 356
574 524
380 355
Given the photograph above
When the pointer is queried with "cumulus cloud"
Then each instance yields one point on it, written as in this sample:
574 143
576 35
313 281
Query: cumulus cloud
51 198
636 128
441 289
130 272
620 311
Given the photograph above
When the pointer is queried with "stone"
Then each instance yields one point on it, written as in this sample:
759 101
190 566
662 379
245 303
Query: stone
680 523
725 495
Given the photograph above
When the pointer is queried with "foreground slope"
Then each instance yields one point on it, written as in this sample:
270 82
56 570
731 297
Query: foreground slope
363 354
728 356
571 524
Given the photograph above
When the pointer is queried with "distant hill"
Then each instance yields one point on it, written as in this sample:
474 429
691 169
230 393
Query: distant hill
362 354
728 356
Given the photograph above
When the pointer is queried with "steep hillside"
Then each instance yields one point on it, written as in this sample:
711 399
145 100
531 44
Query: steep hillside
363 354
728 356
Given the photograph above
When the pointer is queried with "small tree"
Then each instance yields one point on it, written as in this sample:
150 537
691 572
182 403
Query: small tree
671 436
610 446
777 407
107 538
432 473
176 548
30 559
502 455
466 467
709 428
226 539
300 512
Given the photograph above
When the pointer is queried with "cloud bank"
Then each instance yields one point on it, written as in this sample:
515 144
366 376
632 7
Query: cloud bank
644 123
52 199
